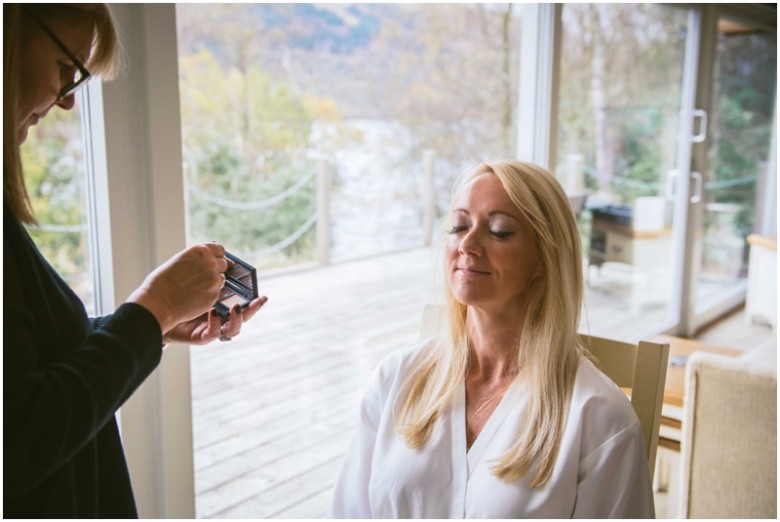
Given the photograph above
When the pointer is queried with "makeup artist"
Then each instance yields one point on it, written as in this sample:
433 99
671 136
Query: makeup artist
64 374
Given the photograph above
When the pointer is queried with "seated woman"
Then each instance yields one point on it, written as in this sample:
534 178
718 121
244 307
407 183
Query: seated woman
503 415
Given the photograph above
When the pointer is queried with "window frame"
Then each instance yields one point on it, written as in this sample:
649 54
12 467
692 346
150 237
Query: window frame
138 215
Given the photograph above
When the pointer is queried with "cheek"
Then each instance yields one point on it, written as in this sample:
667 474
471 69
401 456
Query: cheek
451 247
38 86
30 94
523 268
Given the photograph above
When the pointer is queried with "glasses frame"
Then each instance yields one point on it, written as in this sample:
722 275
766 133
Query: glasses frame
74 86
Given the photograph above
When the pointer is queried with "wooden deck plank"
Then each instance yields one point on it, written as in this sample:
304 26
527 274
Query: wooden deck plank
316 506
309 405
286 494
254 436
302 454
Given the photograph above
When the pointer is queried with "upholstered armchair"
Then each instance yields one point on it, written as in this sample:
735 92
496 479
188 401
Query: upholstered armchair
729 446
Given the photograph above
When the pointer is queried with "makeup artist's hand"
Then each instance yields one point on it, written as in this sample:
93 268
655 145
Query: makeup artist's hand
185 287
210 325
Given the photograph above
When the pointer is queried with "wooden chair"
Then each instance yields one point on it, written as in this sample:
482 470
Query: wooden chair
642 369
639 367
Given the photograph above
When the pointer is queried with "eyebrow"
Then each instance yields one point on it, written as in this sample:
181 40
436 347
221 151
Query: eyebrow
491 213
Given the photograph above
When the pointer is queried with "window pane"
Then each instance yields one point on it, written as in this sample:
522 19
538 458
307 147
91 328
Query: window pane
740 131
55 173
617 145
271 91
383 99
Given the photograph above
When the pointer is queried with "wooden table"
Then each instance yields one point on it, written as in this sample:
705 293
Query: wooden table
674 389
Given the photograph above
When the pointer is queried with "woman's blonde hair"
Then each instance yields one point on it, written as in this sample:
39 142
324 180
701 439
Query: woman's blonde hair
104 61
548 350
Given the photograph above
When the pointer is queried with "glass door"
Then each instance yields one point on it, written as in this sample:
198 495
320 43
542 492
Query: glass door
623 82
664 124
733 162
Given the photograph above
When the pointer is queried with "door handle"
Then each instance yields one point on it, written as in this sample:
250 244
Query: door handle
697 180
701 115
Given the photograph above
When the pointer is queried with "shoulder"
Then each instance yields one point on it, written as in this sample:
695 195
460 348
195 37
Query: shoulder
599 403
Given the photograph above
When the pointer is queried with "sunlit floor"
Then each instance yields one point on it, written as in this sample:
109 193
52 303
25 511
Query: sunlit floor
274 409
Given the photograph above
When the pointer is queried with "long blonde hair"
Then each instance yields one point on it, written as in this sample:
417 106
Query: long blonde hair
548 350
104 61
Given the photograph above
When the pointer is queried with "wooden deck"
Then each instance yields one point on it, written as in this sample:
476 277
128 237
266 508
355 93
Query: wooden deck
274 410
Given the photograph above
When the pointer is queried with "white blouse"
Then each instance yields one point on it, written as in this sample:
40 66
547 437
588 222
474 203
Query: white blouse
601 470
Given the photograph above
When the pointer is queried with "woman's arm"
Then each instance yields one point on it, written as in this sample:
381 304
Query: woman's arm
51 410
614 479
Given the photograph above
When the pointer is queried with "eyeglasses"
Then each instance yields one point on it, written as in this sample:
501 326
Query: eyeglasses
81 77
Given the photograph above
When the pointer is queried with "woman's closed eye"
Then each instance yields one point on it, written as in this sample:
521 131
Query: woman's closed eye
501 234
498 234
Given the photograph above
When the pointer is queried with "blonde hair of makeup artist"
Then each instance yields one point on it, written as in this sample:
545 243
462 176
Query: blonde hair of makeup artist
547 352
104 61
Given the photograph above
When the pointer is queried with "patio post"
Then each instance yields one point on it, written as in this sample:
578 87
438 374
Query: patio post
323 212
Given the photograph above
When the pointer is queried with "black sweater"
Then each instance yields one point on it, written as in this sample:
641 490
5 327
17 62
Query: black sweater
64 377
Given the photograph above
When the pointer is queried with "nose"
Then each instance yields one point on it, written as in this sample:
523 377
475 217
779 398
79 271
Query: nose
67 103
470 243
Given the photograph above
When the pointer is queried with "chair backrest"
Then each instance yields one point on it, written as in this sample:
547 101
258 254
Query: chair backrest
577 203
640 367
729 445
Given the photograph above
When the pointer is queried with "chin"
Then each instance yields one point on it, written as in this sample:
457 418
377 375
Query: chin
468 298
23 133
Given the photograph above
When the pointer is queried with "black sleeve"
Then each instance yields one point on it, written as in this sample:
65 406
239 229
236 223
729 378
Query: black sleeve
97 322
53 409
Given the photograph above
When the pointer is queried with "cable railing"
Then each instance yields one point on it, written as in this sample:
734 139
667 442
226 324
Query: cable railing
354 204
251 205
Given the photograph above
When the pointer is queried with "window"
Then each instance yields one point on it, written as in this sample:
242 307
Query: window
617 143
325 134
56 178
271 93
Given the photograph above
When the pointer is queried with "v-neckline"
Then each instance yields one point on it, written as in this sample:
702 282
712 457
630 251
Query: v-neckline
488 431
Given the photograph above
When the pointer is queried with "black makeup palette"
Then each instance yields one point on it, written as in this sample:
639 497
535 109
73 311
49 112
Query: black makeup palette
240 286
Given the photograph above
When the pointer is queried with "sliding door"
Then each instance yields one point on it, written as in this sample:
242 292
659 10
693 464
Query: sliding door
621 122
733 170
662 139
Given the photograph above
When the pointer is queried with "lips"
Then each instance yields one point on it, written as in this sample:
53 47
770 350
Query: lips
467 270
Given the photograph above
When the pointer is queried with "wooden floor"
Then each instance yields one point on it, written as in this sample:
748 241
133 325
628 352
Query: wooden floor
274 409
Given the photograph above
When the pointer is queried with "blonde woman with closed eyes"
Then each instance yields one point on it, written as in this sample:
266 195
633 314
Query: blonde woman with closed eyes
503 414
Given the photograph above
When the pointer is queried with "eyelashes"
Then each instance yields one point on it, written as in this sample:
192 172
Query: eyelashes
501 234
498 234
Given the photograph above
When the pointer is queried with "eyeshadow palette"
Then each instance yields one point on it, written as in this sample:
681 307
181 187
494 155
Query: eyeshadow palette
240 286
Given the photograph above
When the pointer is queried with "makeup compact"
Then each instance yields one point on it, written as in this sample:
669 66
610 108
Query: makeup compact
240 286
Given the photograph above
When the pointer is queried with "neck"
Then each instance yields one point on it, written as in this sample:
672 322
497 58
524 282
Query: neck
493 339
